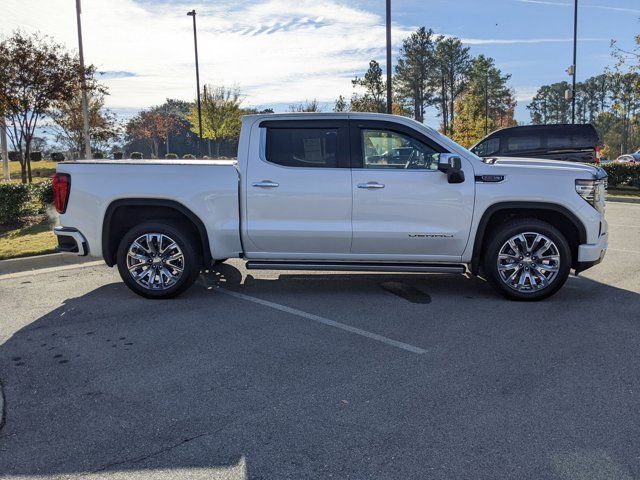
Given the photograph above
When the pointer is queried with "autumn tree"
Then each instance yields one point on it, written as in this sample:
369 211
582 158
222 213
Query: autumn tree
152 126
35 74
486 104
221 115
69 122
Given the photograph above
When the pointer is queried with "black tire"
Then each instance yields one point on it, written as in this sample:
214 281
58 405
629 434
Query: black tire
499 238
184 239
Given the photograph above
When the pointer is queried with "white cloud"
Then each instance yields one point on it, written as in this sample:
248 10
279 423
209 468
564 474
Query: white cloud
571 4
275 50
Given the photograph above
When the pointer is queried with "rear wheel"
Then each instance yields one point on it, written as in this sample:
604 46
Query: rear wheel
159 260
527 259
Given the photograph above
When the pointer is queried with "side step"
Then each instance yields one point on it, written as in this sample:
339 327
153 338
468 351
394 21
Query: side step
357 266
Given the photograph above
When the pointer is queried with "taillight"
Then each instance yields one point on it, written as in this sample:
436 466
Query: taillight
61 189
598 154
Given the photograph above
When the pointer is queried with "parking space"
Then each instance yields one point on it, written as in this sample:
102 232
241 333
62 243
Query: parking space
304 374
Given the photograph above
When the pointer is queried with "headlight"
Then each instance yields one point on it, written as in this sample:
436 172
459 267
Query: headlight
593 191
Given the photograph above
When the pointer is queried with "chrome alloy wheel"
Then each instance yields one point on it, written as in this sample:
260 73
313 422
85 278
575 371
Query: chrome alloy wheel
528 262
155 261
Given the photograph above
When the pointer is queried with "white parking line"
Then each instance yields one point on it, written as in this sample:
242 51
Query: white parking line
325 321
623 251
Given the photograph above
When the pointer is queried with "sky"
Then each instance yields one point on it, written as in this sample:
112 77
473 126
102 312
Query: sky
282 52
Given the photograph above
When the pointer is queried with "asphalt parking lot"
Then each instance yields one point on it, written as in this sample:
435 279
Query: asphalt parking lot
291 375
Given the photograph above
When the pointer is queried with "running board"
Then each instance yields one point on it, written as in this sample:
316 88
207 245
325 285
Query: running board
357 266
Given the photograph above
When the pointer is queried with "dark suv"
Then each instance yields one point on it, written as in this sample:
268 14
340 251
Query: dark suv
572 143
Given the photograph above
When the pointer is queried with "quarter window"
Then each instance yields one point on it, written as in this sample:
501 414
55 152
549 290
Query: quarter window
392 150
303 147
488 147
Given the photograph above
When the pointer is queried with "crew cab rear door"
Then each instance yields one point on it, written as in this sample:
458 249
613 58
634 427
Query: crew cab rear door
403 207
298 189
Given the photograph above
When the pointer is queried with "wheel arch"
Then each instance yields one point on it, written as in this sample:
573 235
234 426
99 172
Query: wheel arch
114 227
557 215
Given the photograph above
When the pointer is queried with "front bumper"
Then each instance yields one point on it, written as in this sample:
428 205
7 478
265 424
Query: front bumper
592 254
70 240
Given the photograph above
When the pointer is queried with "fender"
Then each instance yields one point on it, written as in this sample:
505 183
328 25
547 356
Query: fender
496 207
110 259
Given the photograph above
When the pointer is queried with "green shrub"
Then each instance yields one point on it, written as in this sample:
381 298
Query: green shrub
14 156
621 174
14 200
188 156
171 156
57 157
35 156
97 155
137 156
118 155
42 193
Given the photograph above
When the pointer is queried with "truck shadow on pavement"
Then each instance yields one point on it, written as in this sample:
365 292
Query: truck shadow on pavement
211 385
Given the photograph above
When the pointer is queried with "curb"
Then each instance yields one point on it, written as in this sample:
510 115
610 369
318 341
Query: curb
38 262
622 199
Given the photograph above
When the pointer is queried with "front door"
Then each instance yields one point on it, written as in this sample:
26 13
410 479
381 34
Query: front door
403 207
298 193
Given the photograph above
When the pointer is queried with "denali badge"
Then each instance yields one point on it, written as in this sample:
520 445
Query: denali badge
430 235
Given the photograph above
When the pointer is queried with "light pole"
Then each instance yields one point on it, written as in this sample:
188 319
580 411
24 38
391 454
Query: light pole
575 47
389 90
192 13
486 104
85 113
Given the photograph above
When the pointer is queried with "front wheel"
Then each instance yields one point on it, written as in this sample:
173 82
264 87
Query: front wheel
158 260
527 259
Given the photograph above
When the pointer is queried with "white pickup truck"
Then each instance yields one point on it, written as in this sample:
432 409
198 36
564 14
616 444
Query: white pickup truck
337 192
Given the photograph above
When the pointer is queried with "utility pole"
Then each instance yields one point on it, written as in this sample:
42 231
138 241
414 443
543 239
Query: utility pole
389 87
575 49
192 13
4 148
85 113
486 104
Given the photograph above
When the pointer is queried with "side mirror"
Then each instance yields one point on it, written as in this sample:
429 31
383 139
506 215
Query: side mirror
448 162
451 164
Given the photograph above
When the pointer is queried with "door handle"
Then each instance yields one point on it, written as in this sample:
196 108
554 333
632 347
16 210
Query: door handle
266 184
371 185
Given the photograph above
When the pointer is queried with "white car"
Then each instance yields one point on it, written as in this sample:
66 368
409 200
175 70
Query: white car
332 192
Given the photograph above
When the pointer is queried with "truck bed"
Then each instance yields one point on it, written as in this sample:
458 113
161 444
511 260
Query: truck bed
208 188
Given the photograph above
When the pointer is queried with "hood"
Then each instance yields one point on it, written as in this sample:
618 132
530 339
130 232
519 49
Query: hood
545 164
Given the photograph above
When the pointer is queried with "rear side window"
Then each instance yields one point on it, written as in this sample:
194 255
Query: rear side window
523 143
303 147
560 141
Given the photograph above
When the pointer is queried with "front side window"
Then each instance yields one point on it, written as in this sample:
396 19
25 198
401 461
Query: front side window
303 147
392 150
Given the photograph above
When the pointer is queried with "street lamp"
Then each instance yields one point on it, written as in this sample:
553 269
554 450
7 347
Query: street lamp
192 13
573 69
389 91
85 113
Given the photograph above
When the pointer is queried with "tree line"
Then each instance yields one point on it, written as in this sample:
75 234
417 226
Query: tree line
470 94
610 101
40 79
